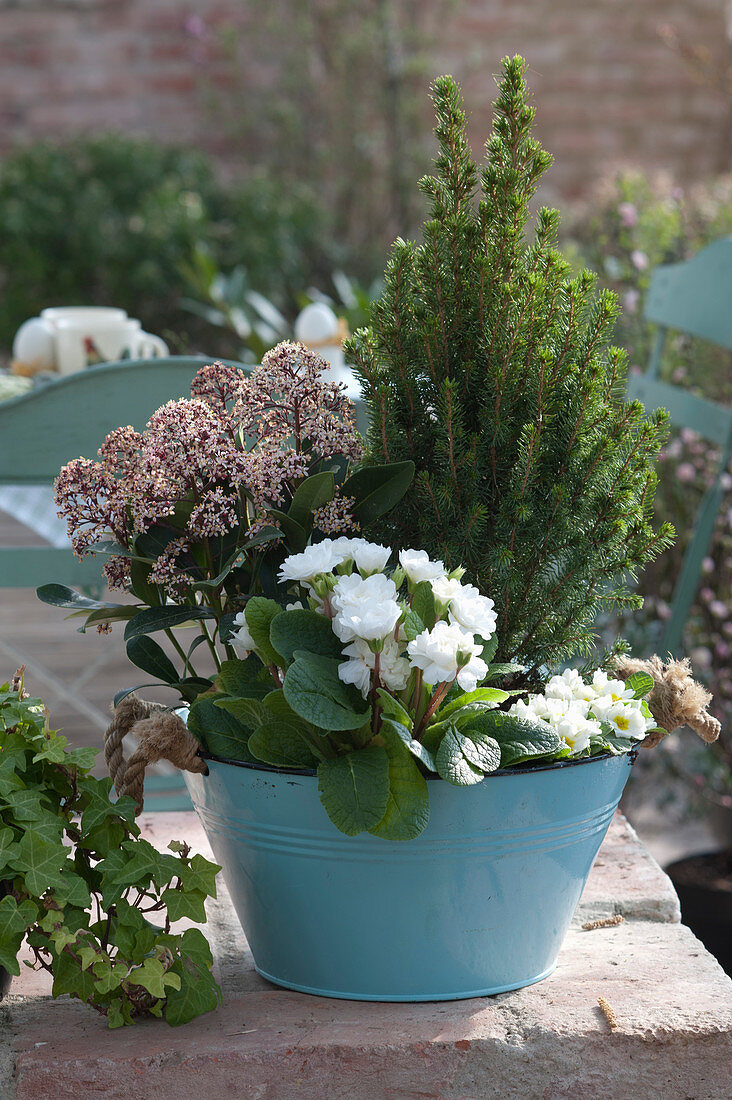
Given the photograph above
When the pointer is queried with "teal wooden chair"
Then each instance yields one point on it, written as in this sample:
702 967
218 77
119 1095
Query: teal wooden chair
43 429
694 297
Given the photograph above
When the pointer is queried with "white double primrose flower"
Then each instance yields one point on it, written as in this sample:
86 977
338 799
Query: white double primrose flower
365 608
446 652
326 556
366 613
418 567
394 669
465 606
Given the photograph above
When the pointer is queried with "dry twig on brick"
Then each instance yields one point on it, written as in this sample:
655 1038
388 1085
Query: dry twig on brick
609 1013
602 922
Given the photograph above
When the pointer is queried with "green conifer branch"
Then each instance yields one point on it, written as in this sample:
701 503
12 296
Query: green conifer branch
488 365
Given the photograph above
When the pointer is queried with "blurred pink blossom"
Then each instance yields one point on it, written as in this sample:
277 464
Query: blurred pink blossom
685 472
708 565
727 629
628 214
639 260
718 609
663 610
195 27
722 650
706 594
679 375
630 301
688 436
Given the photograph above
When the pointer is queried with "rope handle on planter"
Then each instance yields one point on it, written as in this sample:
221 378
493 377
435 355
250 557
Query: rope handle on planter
677 699
161 735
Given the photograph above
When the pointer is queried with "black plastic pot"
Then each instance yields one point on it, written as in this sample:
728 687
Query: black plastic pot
704 886
5 978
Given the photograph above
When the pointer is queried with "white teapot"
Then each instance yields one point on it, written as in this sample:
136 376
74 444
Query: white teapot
70 338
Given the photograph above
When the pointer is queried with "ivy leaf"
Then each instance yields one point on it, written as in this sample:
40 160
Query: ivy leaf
68 977
408 805
315 692
282 745
98 807
14 919
452 763
8 846
306 630
40 860
198 993
200 874
152 977
73 889
185 903
354 789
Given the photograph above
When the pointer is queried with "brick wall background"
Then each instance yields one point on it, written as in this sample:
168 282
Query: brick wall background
608 90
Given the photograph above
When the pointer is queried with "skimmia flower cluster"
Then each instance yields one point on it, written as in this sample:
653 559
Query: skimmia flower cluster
224 460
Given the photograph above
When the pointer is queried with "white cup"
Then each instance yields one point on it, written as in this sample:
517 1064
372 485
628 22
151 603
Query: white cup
86 335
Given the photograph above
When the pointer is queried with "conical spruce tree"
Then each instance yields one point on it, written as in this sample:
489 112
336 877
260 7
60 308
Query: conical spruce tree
488 366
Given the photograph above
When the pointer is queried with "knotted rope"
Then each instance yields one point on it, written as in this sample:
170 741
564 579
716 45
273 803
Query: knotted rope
676 700
161 735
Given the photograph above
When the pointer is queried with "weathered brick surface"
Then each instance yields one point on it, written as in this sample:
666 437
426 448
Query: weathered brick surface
608 89
672 1002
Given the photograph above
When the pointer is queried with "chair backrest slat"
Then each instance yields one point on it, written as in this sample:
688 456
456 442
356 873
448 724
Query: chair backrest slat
695 296
712 421
43 429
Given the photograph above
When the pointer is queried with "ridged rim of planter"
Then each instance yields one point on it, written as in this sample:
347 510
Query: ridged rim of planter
500 773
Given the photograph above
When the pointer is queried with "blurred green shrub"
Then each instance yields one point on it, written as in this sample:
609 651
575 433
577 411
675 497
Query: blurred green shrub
630 226
634 224
113 220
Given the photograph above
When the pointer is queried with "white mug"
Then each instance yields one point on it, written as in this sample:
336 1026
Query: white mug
80 345
70 338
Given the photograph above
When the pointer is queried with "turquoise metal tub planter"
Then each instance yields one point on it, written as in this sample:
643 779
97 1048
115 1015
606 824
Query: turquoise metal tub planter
478 904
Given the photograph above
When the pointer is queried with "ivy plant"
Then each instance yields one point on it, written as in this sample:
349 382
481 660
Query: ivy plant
82 888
